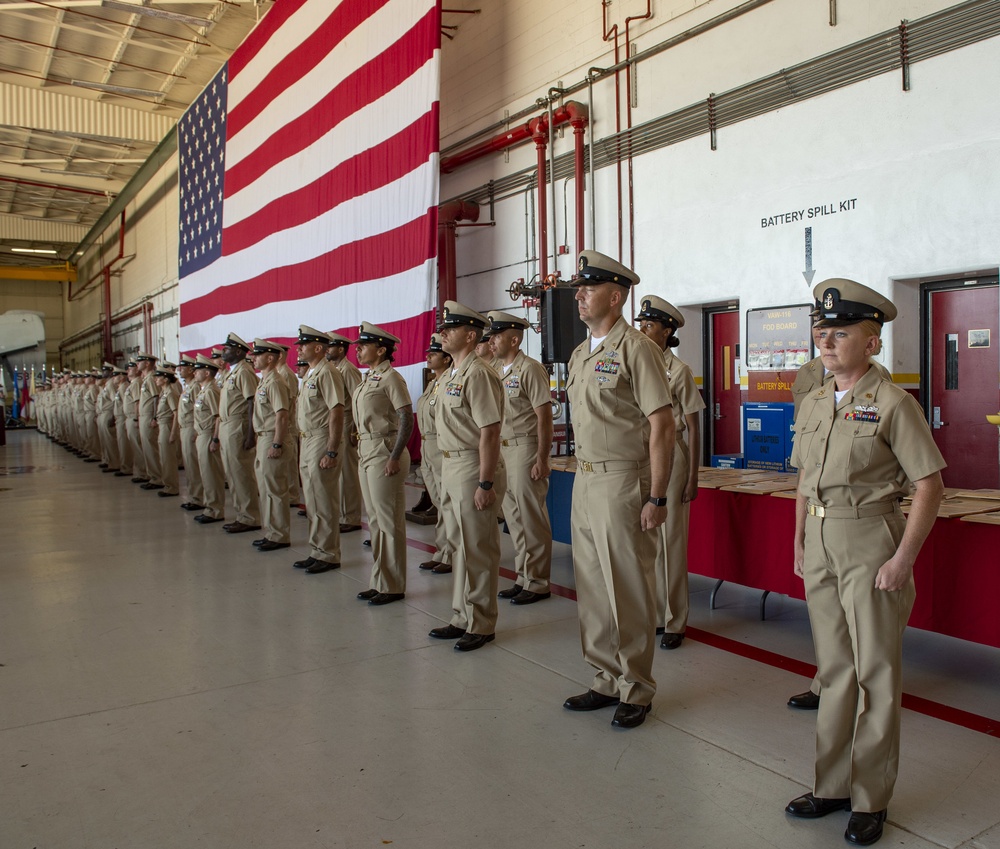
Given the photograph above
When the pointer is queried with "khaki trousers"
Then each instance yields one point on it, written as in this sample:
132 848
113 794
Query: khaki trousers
291 454
615 587
192 474
150 449
476 561
672 600
350 481
858 635
272 486
431 460
321 490
238 463
527 515
213 479
109 443
168 460
386 503
125 463
135 441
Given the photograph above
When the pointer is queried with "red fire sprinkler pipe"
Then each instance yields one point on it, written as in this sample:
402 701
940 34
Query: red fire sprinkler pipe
448 215
540 136
579 123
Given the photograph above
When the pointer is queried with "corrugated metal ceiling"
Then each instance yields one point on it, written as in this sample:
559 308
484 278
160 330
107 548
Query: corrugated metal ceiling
87 90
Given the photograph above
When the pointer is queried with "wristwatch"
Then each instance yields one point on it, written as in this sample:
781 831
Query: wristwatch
487 485
215 439
657 502
332 455
276 445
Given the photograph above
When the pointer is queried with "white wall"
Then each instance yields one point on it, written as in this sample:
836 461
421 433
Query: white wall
919 164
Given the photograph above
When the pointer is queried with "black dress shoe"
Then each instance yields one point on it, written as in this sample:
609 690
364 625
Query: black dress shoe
320 566
270 545
528 597
120 474
386 598
239 528
630 716
805 701
428 565
302 512
206 520
108 471
349 529
304 564
442 569
510 592
90 460
671 641
168 494
660 631
151 486
448 632
471 642
138 479
591 700
257 543
103 466
811 807
863 828
367 543
190 505
367 595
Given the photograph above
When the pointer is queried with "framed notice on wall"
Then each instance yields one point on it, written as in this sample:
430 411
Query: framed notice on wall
779 338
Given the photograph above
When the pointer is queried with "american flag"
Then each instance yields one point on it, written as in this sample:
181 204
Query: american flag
309 179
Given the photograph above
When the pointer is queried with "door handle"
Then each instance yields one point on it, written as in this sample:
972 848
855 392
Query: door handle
718 412
936 419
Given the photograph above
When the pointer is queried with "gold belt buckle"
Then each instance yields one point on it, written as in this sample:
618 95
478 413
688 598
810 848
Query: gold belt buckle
587 467
816 510
446 454
505 443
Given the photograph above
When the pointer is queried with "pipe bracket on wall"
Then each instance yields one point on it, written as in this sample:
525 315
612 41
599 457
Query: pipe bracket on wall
904 54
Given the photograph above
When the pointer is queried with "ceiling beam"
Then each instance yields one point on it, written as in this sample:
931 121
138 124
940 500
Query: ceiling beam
24 169
65 273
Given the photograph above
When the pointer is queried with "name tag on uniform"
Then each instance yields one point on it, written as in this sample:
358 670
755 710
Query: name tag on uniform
310 384
199 404
262 394
231 382
454 390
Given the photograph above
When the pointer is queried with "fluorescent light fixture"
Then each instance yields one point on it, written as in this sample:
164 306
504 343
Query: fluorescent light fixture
120 89
153 12
33 251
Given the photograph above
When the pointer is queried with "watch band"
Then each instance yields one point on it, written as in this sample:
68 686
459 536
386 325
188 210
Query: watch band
657 502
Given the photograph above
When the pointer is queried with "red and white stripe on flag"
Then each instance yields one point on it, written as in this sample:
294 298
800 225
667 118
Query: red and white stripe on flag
328 179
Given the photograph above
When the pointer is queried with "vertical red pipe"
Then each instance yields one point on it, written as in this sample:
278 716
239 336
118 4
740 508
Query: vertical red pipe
578 128
447 278
147 325
539 136
107 314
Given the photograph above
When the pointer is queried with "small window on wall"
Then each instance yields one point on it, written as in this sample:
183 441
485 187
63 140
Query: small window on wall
951 361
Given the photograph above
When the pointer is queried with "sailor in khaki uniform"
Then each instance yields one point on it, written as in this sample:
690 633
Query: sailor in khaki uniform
808 379
104 411
149 394
383 416
207 445
128 399
188 437
320 425
624 430
350 481
431 459
291 451
236 435
271 408
121 380
660 320
469 418
168 434
525 446
88 418
858 440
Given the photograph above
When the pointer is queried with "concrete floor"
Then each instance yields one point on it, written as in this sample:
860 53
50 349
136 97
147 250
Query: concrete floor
162 684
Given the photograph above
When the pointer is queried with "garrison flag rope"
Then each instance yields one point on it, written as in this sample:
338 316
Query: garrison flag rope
309 179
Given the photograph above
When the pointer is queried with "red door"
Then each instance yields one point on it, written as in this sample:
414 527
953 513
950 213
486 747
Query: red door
965 364
724 400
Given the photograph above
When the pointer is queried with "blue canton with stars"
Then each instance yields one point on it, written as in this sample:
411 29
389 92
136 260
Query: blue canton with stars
201 140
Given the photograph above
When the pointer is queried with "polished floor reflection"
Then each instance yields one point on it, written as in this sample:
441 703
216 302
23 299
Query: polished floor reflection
165 685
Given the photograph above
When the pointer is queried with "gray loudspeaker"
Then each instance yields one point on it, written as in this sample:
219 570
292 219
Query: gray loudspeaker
562 329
